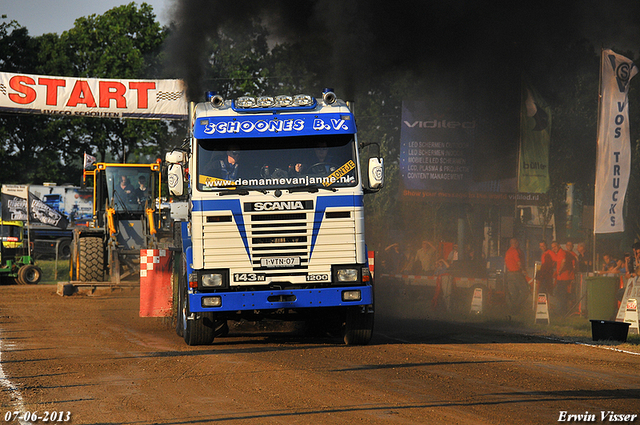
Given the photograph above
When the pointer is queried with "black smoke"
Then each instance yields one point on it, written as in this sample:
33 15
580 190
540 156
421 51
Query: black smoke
467 45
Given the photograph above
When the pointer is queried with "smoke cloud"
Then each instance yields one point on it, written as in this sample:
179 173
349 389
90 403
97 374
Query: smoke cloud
367 40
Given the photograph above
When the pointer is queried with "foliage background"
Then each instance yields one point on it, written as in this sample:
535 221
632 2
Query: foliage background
373 52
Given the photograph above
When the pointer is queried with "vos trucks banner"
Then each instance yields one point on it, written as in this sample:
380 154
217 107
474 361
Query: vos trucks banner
16 207
93 97
614 150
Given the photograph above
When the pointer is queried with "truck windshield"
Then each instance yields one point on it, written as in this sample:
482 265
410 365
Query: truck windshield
277 162
128 188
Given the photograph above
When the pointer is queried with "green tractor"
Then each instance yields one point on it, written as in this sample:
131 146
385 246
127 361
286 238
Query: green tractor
16 264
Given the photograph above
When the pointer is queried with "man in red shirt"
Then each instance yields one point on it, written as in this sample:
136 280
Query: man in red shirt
544 276
565 273
517 287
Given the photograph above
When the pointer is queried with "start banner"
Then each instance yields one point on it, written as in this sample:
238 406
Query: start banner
93 97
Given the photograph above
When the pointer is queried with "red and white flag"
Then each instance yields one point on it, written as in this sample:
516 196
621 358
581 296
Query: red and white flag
614 150
88 161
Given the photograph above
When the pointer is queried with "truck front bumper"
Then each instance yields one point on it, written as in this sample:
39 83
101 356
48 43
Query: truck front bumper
275 299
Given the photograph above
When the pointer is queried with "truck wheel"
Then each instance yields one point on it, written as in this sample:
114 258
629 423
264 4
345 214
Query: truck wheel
358 327
180 319
90 259
64 249
29 274
200 331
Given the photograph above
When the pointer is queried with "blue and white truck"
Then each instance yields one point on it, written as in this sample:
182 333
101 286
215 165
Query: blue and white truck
273 224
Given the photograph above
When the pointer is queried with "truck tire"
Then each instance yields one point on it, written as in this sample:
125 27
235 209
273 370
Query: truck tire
180 314
358 326
199 331
64 249
90 259
29 274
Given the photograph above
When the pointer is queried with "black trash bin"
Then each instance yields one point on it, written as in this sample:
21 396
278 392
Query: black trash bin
606 330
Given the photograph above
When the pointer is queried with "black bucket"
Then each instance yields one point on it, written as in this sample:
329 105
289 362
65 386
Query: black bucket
606 330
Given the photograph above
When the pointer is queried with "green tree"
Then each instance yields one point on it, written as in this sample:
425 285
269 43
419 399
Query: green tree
124 42
25 154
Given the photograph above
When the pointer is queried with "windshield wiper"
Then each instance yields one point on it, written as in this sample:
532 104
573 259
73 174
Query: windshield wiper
310 189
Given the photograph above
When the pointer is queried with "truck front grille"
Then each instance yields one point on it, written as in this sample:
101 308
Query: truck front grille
279 235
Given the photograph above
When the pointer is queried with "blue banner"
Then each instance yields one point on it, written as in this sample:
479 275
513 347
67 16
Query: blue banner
436 147
274 125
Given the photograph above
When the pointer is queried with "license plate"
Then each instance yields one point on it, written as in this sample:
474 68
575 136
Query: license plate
280 262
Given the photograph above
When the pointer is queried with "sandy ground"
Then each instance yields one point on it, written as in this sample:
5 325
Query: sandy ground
95 361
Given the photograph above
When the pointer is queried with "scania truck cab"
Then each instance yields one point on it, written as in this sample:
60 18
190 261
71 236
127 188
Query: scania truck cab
274 225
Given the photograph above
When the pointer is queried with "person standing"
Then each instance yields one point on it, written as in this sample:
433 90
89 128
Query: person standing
584 262
426 257
453 255
547 270
565 273
633 263
576 284
517 287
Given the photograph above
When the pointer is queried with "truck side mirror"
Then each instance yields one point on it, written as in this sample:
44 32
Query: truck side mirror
376 173
175 179
175 157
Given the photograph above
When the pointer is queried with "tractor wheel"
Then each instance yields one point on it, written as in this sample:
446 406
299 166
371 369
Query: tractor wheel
90 260
29 274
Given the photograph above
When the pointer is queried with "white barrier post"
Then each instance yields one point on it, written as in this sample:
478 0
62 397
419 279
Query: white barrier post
542 308
631 315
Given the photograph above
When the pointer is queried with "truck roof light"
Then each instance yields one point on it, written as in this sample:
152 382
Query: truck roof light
274 104
265 102
246 102
302 100
283 101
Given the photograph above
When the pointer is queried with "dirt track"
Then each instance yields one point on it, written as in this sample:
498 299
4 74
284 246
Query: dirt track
95 358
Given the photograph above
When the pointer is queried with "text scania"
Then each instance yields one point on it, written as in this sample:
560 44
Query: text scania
278 206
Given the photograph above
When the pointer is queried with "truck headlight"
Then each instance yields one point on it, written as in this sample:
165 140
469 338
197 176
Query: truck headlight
353 295
347 275
212 280
212 301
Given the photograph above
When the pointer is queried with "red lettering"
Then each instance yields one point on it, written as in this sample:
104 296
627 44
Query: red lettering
18 83
143 95
81 93
52 88
112 90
